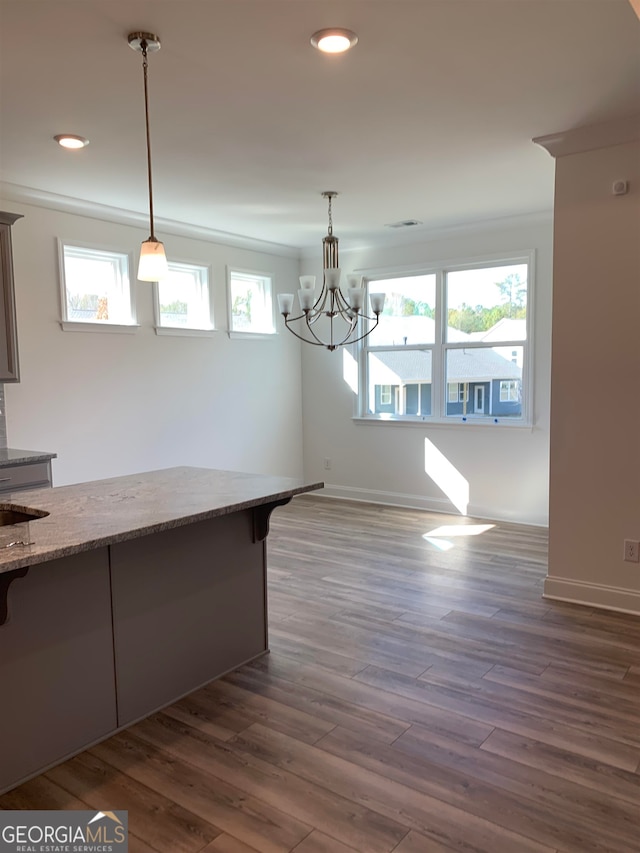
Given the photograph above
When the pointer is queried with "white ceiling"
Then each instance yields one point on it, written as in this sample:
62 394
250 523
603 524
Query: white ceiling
429 117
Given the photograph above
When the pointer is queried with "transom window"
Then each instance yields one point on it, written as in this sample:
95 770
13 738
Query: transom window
182 300
454 344
250 298
95 287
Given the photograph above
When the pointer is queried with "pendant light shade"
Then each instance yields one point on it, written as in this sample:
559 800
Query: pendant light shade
153 262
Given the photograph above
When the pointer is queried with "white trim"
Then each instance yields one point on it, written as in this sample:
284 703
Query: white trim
106 213
98 326
592 595
589 137
429 504
254 336
453 421
183 332
497 259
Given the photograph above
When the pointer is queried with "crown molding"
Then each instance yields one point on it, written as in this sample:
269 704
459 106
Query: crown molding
106 213
589 137
425 234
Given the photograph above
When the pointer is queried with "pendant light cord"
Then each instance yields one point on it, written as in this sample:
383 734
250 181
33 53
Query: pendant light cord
145 65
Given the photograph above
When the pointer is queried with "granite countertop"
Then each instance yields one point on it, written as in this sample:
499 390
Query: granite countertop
11 456
91 515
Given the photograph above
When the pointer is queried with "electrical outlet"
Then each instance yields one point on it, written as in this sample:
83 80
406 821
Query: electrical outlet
326 463
632 550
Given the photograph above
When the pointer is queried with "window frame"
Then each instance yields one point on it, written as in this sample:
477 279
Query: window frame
439 349
248 333
126 264
205 271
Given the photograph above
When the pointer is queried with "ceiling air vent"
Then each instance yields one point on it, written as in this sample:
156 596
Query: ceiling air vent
404 223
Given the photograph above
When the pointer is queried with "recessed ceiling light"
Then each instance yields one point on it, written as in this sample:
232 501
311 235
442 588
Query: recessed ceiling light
70 140
334 40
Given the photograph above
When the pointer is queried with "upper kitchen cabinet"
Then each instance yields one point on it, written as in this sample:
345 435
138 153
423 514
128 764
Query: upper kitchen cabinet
9 370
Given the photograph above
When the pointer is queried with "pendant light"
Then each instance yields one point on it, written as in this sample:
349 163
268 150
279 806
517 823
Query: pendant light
153 262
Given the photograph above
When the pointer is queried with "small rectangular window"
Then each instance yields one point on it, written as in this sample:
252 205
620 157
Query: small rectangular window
385 395
95 287
250 297
509 391
182 300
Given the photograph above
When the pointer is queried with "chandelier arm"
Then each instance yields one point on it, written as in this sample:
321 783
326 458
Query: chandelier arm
316 343
311 332
368 332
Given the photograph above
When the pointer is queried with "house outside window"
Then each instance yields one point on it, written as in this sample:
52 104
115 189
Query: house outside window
95 288
250 301
183 299
454 342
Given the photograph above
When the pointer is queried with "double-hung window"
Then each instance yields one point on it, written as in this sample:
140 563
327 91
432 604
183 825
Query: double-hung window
183 301
453 344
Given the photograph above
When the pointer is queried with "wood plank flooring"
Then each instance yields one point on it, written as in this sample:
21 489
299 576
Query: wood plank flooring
420 697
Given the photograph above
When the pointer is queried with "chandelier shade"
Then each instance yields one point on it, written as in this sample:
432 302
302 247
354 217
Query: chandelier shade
335 317
153 261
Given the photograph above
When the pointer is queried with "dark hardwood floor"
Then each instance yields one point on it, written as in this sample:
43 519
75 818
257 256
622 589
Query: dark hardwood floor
420 697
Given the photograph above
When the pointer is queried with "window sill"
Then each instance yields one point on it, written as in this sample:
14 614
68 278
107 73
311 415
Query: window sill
449 423
72 326
253 335
181 331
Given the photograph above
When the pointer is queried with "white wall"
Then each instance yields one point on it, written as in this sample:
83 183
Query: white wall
507 468
595 437
112 404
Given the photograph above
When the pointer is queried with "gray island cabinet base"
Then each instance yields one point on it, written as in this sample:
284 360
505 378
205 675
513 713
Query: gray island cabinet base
129 620
188 605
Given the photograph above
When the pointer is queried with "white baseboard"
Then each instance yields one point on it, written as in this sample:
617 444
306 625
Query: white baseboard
430 504
593 595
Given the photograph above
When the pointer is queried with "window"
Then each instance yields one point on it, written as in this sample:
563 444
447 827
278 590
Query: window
182 300
250 303
95 288
509 391
458 392
454 344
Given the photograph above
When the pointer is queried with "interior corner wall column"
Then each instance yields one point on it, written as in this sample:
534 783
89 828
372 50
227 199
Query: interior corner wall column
594 500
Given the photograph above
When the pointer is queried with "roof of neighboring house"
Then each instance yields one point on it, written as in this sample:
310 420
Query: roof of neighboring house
464 365
507 329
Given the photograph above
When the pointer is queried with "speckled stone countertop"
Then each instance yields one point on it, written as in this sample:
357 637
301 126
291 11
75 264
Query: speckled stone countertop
91 515
11 456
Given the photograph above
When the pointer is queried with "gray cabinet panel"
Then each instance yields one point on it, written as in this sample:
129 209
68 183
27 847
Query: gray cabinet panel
57 689
188 605
9 370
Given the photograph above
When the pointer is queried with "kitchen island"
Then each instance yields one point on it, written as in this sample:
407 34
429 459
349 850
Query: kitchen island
130 593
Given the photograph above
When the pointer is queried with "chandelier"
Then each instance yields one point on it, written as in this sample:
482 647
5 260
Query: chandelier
336 317
153 262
